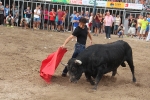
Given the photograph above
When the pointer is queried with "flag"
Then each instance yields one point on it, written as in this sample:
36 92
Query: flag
50 64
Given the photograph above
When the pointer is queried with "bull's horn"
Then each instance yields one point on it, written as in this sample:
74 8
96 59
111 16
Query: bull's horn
78 62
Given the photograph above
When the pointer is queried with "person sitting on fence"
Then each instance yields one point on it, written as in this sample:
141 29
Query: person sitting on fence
27 13
9 20
121 29
23 23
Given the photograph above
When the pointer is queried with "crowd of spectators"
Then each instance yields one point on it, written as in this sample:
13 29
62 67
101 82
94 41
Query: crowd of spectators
61 21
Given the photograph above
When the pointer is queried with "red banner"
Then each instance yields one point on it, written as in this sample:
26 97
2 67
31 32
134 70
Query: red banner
75 1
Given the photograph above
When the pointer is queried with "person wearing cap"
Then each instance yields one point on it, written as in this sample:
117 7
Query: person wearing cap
1 13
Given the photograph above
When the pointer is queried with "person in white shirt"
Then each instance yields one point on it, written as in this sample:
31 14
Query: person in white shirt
117 22
37 18
90 21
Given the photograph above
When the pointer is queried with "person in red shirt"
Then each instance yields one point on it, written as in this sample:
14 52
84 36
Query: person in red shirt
61 17
52 15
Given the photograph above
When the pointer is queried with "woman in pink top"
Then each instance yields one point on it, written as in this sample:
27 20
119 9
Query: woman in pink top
108 21
45 17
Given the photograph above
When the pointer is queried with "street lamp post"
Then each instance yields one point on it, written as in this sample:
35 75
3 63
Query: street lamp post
93 16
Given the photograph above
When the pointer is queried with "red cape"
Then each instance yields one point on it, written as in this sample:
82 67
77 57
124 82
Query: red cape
50 64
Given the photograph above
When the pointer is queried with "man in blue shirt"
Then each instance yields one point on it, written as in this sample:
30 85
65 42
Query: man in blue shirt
76 21
72 17
6 12
27 13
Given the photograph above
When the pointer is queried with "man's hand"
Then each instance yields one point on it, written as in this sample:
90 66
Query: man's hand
90 42
63 46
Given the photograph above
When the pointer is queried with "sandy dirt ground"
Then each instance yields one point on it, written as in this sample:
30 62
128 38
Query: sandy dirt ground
21 54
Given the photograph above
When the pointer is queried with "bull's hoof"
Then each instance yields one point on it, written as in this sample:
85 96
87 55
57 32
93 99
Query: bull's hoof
134 80
123 65
94 88
92 83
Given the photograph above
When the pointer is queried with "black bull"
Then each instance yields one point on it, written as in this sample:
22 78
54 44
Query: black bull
99 59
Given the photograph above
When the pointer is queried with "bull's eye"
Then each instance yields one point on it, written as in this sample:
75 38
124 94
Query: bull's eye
73 69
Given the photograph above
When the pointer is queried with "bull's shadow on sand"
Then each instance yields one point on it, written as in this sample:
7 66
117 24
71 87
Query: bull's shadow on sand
107 80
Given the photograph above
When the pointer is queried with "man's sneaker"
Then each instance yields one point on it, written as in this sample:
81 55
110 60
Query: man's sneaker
109 38
64 75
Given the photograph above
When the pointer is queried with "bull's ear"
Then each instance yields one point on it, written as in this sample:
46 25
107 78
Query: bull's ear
79 62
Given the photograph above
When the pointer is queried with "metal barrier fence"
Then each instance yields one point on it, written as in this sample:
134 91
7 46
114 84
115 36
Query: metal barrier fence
22 5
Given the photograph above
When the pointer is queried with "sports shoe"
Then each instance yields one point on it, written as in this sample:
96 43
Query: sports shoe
109 38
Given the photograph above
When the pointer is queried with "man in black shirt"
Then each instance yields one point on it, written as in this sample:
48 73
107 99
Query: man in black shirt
81 32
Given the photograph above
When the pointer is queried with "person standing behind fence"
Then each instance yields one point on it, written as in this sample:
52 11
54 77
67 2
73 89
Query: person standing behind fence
139 25
96 24
144 24
60 14
71 22
6 12
86 16
45 12
37 18
27 13
132 29
16 16
117 22
52 17
108 21
66 20
1 14
90 21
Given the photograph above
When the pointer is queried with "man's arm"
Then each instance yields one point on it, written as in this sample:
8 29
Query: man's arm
67 40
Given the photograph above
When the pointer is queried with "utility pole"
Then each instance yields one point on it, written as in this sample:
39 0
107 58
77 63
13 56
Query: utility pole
93 15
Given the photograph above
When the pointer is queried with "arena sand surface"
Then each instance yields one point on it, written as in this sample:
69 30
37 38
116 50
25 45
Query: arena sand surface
21 53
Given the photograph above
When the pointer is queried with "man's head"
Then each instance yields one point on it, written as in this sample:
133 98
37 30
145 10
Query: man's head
7 6
59 9
87 12
145 18
82 22
77 14
118 16
74 12
75 69
107 13
28 8
10 15
53 9
131 16
0 3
